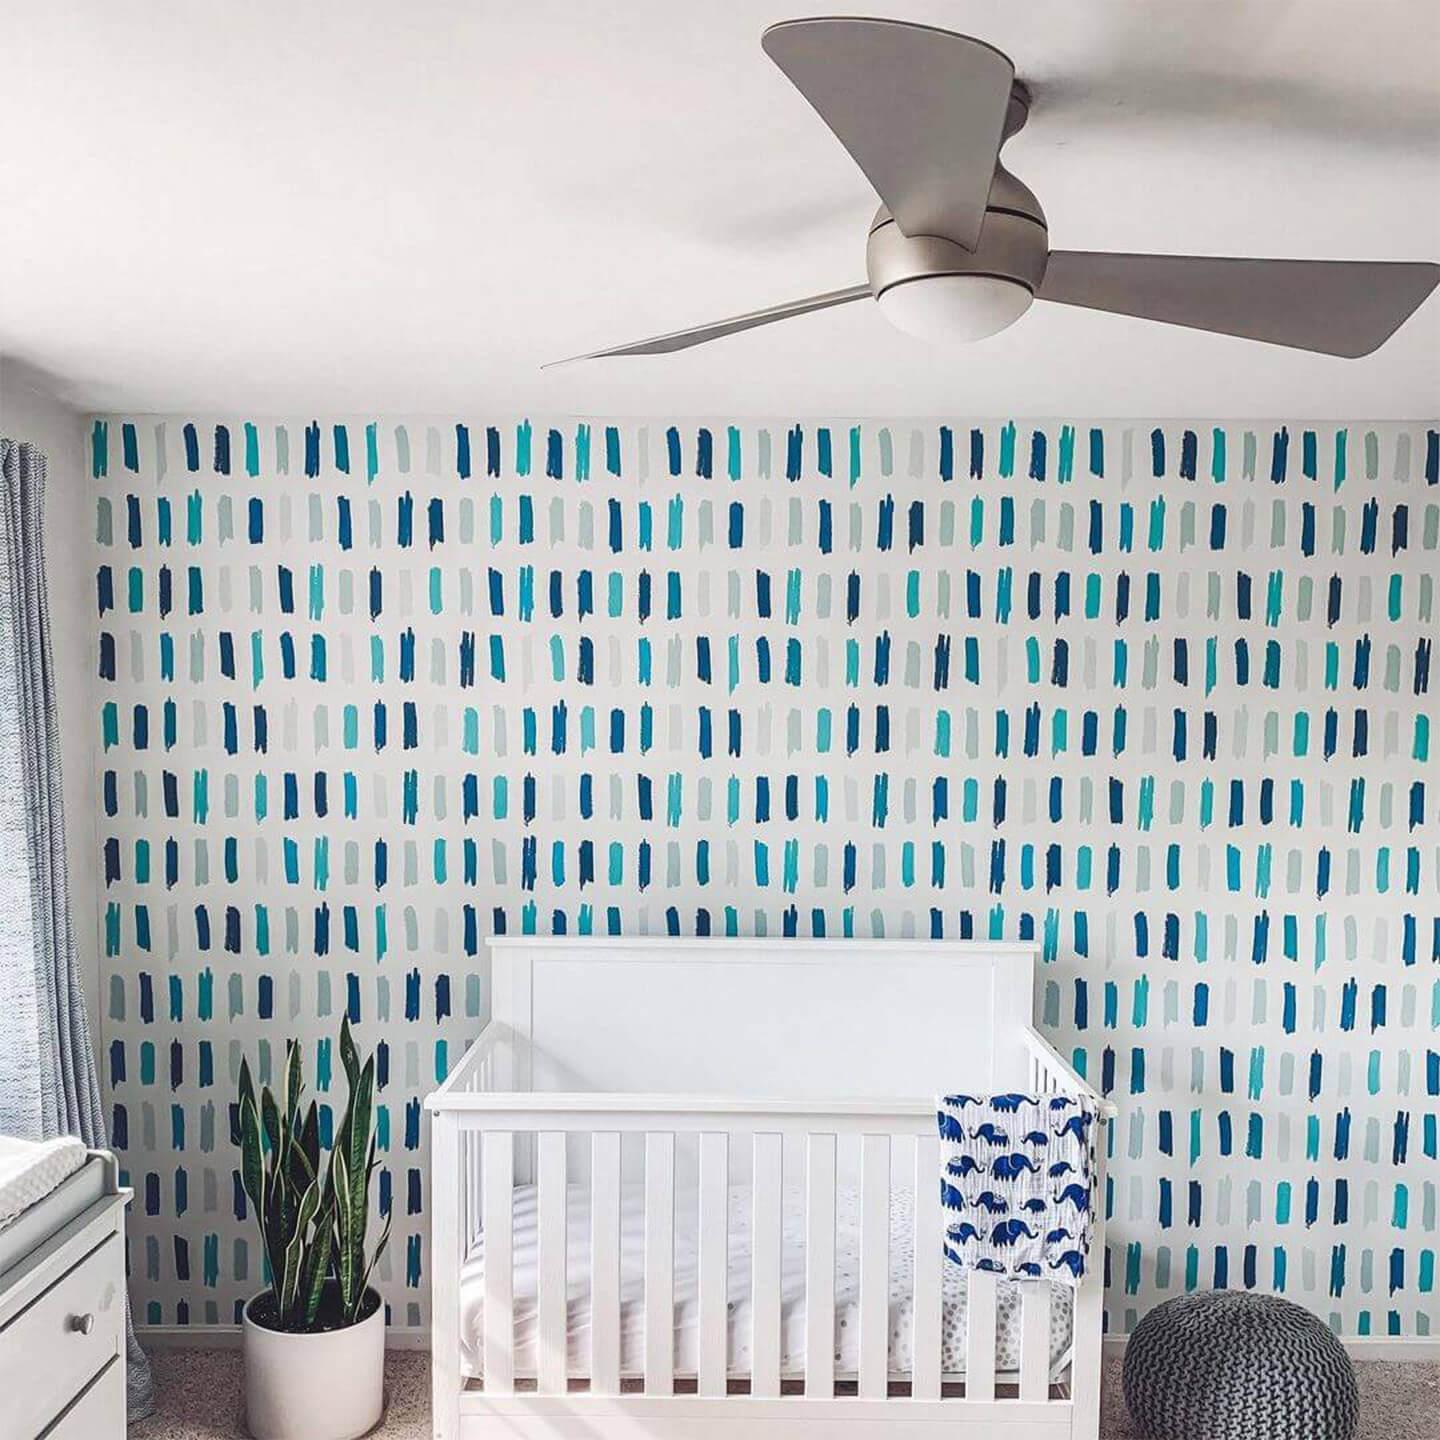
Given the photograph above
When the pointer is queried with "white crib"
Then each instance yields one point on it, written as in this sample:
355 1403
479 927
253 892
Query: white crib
659 1078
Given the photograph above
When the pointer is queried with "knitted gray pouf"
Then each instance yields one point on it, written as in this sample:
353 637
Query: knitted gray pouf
1229 1365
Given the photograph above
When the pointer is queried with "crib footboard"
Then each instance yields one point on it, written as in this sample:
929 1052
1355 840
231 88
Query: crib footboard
483 1139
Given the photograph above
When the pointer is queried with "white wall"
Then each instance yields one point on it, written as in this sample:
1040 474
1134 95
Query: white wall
30 411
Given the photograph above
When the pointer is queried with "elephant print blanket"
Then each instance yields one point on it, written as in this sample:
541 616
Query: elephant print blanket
1017 1183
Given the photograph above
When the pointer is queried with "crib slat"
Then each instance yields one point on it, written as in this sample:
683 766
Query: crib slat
980 1336
476 1189
550 1306
874 1373
713 1262
1034 1340
820 1266
470 1202
659 1264
497 1219
765 1206
605 1263
929 1253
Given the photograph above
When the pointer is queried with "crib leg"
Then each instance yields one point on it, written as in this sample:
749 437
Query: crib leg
1089 1316
445 1260
1085 1386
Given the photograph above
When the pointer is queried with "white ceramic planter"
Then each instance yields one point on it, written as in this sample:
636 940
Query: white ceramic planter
328 1386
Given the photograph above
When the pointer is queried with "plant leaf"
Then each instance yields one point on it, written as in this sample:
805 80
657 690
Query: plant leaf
349 1057
252 1171
301 1168
352 1163
374 1256
344 1224
357 1147
270 1118
316 1267
276 1228
294 1079
279 1221
295 1248
306 1148
359 1141
246 1092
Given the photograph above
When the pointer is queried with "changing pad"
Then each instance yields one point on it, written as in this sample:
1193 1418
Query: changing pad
31 1169
792 1311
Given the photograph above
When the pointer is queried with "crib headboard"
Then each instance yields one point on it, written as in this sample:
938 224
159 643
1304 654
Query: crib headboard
763 1017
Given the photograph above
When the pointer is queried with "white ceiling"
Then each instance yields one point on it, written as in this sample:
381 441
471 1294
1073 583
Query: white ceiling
381 206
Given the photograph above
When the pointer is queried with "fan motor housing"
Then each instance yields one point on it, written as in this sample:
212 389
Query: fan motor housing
1014 245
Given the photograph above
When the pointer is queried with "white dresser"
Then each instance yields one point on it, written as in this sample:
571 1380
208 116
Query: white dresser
62 1312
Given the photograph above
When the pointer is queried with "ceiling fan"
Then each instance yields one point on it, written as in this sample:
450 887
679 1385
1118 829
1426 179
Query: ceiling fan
959 248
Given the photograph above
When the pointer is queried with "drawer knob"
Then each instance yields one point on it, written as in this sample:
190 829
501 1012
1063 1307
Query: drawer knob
82 1324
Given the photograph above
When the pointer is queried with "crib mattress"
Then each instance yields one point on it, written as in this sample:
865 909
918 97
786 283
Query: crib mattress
792 1313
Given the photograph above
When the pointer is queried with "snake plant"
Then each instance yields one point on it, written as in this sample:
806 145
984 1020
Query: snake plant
313 1215
281 1170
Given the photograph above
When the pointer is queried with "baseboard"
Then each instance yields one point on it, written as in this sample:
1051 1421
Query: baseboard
1411 1349
227 1337
1400 1349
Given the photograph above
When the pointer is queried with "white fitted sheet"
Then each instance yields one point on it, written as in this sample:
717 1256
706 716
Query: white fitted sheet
792 1313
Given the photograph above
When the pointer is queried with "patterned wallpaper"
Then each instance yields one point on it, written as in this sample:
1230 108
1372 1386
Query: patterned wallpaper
1158 696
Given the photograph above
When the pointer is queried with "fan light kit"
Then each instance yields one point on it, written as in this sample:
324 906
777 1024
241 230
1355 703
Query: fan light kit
959 248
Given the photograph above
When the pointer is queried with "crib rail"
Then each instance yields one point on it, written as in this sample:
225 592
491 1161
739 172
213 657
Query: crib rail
485 1134
1049 1074
485 1067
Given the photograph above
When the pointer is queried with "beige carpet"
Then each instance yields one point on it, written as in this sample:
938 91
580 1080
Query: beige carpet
199 1399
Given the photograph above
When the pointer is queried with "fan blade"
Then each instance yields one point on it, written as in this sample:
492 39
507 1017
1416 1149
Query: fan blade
921 111
699 334
1335 307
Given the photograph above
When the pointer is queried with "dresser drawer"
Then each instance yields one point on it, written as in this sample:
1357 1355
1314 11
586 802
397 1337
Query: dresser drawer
99 1413
54 1347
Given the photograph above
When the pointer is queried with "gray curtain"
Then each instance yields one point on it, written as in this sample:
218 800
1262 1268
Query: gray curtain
48 1084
